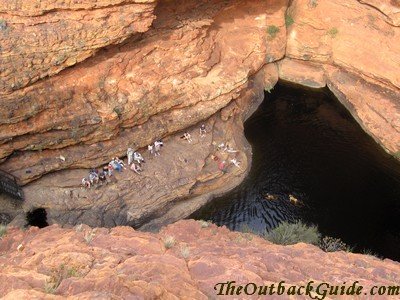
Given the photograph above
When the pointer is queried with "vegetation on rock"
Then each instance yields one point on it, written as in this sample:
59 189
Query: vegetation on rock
57 276
333 32
397 154
272 31
3 230
185 252
289 234
3 24
312 3
288 20
204 224
169 242
331 244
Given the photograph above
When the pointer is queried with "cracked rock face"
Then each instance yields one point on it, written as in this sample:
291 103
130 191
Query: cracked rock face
141 70
354 44
182 71
41 38
184 260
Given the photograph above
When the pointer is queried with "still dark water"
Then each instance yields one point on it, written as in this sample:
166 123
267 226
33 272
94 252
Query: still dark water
306 144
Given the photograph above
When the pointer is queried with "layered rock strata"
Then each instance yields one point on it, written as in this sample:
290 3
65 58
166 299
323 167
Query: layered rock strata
146 70
185 260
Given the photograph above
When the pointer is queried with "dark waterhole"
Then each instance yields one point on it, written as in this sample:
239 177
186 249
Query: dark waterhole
307 145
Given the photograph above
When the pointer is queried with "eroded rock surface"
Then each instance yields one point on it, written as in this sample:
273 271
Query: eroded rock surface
41 38
184 261
182 71
141 70
354 44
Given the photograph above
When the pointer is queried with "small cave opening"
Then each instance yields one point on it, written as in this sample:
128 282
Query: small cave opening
307 146
37 217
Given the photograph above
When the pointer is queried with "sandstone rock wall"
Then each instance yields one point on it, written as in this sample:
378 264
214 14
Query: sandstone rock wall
354 45
41 38
184 261
141 70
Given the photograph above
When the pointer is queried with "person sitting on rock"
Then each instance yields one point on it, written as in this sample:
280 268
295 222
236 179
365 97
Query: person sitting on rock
120 162
151 149
229 149
102 177
157 147
138 157
235 162
115 165
129 155
221 166
136 168
187 136
221 146
203 130
86 183
93 177
108 170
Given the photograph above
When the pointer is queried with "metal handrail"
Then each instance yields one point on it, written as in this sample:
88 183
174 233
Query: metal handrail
10 176
7 179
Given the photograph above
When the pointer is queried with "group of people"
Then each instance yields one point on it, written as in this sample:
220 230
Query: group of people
223 164
135 160
95 177
187 136
100 177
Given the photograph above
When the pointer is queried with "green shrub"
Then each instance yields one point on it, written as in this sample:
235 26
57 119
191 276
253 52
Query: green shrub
333 32
330 244
118 110
272 30
288 20
89 236
57 276
289 234
3 230
185 252
245 228
79 228
371 253
397 155
3 24
204 224
312 3
169 242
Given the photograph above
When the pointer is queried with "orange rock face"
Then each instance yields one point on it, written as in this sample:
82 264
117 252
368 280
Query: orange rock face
355 44
41 38
183 67
185 260
141 70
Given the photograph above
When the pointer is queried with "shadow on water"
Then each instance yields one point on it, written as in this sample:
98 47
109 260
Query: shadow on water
305 143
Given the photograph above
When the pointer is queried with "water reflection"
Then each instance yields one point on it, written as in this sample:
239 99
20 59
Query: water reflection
307 145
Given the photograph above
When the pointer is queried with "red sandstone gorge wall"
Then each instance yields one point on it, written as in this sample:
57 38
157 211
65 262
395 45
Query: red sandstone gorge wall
194 54
141 70
354 45
187 65
121 263
41 38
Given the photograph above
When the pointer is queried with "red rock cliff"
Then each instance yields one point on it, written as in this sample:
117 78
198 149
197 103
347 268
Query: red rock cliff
86 80
184 261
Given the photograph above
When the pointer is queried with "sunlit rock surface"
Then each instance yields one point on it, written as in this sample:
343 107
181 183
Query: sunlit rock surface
141 70
184 261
